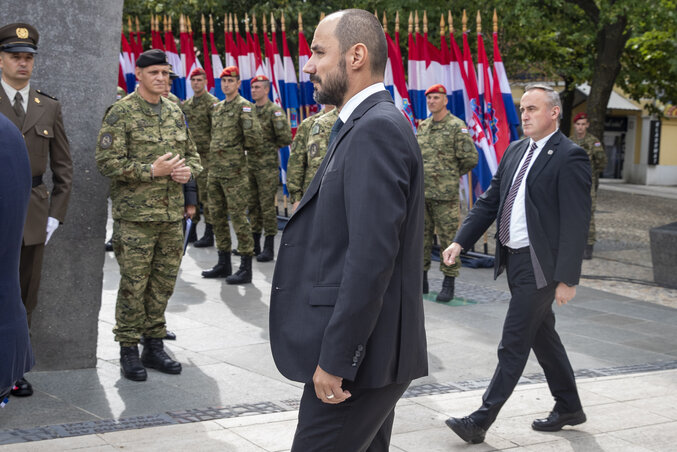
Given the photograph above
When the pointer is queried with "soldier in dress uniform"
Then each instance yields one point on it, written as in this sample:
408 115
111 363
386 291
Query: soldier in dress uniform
598 159
235 130
448 152
262 163
38 116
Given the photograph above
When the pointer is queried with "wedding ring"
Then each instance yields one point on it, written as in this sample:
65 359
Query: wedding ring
330 396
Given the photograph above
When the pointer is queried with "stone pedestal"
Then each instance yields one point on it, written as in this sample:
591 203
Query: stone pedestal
77 63
664 254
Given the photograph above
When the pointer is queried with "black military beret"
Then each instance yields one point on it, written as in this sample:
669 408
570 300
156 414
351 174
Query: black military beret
19 37
152 57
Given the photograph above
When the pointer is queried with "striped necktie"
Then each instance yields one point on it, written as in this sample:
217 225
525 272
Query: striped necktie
504 234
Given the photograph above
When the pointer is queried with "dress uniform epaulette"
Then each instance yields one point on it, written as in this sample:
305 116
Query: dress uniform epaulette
45 94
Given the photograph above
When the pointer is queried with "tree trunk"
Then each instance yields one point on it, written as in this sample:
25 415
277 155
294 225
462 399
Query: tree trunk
567 97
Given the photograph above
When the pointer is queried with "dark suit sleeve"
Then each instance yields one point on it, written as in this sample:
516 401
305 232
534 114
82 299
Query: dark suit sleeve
379 164
190 193
574 204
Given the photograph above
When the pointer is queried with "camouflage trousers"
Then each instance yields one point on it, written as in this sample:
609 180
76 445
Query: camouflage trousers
263 187
149 255
230 196
592 233
443 216
202 197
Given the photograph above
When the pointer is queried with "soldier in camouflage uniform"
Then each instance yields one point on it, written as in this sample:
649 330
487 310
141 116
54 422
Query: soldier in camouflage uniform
262 163
198 111
448 152
598 159
234 130
307 151
145 148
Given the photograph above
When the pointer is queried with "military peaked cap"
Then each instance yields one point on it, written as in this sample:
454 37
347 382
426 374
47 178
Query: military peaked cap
19 37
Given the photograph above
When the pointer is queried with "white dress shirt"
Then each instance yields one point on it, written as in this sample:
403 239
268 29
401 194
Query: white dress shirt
358 98
11 93
519 235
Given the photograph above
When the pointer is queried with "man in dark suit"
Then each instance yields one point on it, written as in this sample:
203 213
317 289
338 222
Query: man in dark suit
346 314
38 117
540 199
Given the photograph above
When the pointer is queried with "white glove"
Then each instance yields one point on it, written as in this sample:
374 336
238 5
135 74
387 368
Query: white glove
52 224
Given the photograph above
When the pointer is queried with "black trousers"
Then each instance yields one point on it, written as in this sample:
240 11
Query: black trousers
529 324
364 422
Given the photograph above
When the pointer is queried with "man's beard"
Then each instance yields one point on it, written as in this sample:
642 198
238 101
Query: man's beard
334 88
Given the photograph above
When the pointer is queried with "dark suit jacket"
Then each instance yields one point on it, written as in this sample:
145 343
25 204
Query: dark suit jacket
46 142
557 204
347 285
16 356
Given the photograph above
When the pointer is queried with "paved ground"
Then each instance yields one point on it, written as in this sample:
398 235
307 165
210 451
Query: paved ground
620 336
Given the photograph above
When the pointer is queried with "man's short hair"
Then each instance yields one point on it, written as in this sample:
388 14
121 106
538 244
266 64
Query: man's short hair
551 95
360 26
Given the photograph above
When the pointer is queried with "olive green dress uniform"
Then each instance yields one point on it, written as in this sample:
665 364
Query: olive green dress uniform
448 153
598 160
198 111
262 163
234 130
307 152
147 210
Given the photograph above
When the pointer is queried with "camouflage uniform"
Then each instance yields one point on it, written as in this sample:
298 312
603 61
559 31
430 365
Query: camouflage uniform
174 98
307 151
147 211
598 159
198 111
234 129
448 152
262 163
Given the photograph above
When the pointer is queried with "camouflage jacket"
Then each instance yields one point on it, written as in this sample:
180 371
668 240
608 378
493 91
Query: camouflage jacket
174 99
234 129
307 152
198 111
448 153
132 137
595 150
276 134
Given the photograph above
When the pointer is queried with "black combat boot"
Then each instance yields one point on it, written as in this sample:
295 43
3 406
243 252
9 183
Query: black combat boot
222 268
109 244
447 292
425 282
131 367
155 357
268 250
192 234
207 239
257 243
587 252
244 273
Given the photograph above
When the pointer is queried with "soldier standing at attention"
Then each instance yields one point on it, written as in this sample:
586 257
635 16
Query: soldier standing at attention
198 111
307 151
38 117
448 152
167 92
234 130
145 148
598 159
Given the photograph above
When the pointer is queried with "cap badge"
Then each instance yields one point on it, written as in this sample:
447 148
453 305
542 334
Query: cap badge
22 33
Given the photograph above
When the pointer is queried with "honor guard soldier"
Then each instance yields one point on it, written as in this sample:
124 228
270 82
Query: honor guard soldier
262 163
448 152
235 130
38 117
145 148
598 159
198 111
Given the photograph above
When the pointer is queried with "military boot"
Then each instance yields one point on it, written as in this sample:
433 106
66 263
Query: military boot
131 367
155 357
447 292
207 239
425 282
257 243
222 268
587 252
192 234
244 273
268 250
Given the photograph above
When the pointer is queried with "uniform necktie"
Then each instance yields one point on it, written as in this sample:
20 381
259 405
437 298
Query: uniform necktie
19 108
504 235
335 130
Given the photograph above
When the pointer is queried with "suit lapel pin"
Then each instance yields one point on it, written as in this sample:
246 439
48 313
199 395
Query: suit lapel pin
550 151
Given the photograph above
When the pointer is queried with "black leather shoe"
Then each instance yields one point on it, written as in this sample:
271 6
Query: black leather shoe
155 357
555 421
22 388
466 429
130 366
109 245
425 282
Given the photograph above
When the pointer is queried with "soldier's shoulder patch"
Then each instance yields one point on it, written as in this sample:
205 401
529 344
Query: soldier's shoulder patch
278 113
315 130
246 109
45 94
247 124
464 130
106 140
313 150
112 118
598 144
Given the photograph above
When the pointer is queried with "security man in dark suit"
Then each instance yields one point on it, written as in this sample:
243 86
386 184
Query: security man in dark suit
540 199
346 310
38 117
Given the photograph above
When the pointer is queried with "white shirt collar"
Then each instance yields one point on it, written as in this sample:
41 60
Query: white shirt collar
540 143
11 92
358 98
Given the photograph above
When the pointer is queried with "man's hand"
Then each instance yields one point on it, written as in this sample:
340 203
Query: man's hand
52 224
165 164
328 387
564 293
181 174
451 253
189 211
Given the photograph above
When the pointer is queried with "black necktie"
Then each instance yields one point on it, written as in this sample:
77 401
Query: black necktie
504 234
19 108
335 130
